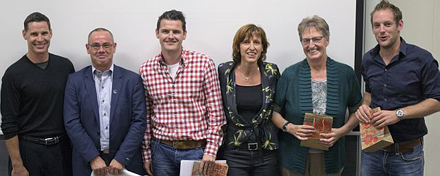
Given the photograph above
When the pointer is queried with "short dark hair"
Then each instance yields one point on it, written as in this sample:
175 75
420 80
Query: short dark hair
246 32
384 4
172 15
100 29
36 17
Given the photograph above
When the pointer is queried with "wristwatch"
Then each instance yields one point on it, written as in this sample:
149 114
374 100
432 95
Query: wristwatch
285 126
400 114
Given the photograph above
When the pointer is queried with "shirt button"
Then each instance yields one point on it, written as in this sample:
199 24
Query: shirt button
103 101
386 69
386 99
105 114
102 87
385 85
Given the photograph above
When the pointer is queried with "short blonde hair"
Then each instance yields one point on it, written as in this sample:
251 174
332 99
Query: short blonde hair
317 22
384 4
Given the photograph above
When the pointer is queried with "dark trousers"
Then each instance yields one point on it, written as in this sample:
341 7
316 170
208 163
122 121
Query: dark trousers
46 160
252 163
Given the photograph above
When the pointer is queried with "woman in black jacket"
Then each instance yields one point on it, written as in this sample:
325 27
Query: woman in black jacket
248 88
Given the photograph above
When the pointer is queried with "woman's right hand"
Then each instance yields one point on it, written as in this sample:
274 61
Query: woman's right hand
302 132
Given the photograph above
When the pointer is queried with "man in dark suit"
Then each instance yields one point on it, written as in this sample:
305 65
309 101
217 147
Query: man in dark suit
104 112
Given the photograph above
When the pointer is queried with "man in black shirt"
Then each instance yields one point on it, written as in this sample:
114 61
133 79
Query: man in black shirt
32 96
404 81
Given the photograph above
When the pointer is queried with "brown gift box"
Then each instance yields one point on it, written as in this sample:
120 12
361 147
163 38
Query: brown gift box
372 138
322 124
220 169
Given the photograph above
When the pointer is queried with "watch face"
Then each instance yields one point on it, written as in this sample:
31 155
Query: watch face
399 113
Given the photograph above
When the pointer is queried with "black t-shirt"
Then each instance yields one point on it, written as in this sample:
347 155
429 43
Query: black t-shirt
249 101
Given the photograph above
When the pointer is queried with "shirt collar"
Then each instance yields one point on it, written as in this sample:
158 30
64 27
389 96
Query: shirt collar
402 49
403 46
182 58
110 71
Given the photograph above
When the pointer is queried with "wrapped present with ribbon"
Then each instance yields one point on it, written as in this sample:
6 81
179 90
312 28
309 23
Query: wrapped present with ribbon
322 124
372 138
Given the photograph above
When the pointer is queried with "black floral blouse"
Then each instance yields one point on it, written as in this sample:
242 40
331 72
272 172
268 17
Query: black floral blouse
238 130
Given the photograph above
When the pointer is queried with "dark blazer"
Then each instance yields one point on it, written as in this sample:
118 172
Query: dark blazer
238 130
127 119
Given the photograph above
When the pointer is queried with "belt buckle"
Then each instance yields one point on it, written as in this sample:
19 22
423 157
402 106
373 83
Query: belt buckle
253 146
51 141
175 144
182 145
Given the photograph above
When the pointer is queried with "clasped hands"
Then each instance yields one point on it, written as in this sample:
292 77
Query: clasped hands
303 132
378 119
101 169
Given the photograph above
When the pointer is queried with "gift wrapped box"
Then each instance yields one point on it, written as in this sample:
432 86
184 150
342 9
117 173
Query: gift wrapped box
322 124
372 138
220 169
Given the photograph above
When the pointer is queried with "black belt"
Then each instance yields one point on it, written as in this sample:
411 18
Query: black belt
43 141
251 146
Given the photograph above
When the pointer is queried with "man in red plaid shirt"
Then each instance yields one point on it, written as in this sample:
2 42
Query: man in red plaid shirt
184 108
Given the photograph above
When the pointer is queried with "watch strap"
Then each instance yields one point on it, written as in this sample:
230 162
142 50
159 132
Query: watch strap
285 126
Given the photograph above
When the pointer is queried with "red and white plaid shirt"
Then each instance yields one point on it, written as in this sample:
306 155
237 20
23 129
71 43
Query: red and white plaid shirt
188 107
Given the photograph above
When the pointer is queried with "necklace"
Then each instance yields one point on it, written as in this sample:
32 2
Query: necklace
247 79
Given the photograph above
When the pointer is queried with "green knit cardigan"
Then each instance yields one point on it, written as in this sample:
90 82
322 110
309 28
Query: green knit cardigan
294 96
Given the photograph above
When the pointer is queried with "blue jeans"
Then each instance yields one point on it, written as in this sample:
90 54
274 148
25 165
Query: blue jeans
166 159
392 164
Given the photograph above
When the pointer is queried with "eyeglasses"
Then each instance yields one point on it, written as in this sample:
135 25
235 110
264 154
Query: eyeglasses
306 41
97 46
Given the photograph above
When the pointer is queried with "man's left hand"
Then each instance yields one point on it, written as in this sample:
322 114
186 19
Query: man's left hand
383 118
115 167
330 138
207 164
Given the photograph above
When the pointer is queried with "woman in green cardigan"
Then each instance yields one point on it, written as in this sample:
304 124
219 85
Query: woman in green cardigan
319 85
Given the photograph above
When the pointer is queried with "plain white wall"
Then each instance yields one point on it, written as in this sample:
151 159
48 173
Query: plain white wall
211 26
422 28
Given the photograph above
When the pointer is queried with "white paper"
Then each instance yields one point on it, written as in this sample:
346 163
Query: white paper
187 165
125 172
